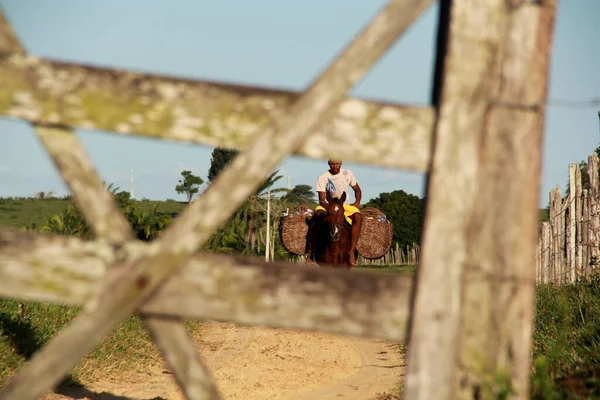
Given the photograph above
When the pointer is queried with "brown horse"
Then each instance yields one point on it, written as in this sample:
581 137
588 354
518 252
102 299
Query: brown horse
330 234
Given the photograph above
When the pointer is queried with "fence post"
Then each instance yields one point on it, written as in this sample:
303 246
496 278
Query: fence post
547 274
538 261
585 218
578 217
572 224
556 226
594 209
473 332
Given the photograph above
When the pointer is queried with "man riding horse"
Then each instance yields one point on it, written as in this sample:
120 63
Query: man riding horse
335 182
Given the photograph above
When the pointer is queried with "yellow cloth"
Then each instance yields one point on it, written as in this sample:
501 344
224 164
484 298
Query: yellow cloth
348 211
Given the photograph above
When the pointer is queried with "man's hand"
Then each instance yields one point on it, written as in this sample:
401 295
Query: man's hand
357 195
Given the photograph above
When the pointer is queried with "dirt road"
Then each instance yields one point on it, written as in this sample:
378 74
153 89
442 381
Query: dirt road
262 363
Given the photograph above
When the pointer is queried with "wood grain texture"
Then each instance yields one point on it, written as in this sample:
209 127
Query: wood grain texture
572 224
216 114
578 224
585 234
89 193
172 338
547 272
108 223
594 211
472 333
556 206
9 43
244 290
127 286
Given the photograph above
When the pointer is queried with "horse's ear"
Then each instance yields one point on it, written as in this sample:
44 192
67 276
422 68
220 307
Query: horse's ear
328 196
343 198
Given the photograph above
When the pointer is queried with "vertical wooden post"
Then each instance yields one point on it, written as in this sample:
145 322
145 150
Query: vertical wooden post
555 203
585 218
571 225
547 274
563 215
557 222
472 333
538 261
594 210
578 215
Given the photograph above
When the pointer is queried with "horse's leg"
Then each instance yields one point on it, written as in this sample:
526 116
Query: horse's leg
356 224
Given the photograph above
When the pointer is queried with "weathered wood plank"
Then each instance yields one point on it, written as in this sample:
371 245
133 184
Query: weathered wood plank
452 193
210 113
547 275
578 224
108 223
9 44
190 373
556 217
562 219
594 208
500 272
243 290
538 261
91 196
585 226
480 231
572 225
125 288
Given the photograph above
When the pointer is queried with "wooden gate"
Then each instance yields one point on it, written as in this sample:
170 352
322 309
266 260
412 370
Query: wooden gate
468 314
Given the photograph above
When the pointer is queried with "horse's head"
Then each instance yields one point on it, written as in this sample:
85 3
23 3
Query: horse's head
335 216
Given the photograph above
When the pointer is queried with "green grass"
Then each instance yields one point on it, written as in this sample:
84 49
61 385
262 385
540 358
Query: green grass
24 330
20 212
171 207
390 269
17 212
566 341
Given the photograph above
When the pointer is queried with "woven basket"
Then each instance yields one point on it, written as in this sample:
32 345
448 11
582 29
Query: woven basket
375 236
294 227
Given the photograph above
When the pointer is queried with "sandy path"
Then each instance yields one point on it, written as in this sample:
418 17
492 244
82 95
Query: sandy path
263 363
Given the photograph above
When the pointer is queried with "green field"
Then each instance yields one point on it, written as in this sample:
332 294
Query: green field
566 342
19 212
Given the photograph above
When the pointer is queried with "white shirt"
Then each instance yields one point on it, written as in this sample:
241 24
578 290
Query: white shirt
336 184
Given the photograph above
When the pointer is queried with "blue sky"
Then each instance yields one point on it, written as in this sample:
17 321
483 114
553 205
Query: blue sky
271 43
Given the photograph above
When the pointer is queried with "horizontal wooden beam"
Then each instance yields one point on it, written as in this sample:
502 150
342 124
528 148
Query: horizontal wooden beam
216 114
246 291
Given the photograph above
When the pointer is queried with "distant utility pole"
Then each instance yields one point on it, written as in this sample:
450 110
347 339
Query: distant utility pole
132 190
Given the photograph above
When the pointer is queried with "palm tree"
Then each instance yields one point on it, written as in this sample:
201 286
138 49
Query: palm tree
263 189
240 233
258 207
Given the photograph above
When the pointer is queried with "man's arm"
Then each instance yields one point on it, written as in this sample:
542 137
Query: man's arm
322 199
357 195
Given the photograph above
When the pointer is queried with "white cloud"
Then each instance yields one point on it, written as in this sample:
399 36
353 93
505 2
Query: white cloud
4 168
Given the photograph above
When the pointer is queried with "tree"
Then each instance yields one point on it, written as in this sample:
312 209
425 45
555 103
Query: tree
146 225
190 185
585 178
405 212
220 159
300 194
268 183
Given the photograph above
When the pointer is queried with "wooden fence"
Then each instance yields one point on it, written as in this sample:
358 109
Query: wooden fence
408 255
569 240
471 303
